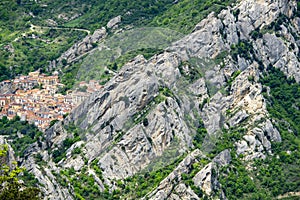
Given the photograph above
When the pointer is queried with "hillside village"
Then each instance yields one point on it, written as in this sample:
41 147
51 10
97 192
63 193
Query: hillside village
36 98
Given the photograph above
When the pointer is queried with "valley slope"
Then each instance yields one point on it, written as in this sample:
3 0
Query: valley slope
215 115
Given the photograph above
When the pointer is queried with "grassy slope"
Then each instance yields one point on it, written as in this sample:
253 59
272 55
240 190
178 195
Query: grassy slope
184 15
23 54
29 54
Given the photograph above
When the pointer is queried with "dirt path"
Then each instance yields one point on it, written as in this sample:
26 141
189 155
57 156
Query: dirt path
33 27
289 194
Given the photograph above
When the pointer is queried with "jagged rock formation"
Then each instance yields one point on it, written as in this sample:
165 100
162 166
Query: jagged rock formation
114 22
150 104
87 44
113 114
244 102
82 47
173 186
166 187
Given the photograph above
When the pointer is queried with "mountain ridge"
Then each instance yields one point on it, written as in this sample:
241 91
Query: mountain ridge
208 95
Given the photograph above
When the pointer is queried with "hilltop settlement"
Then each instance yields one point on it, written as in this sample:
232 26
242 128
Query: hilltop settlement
36 98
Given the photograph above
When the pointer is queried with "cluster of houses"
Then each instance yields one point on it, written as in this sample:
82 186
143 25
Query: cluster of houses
36 98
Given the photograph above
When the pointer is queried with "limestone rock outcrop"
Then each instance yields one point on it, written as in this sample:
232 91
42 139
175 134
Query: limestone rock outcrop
82 47
150 105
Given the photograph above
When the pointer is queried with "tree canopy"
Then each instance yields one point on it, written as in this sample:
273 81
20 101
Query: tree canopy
10 185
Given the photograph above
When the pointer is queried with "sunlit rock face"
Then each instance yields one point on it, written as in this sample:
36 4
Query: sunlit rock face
150 106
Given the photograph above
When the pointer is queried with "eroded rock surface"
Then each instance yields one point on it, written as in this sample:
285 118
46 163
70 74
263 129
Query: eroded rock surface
151 104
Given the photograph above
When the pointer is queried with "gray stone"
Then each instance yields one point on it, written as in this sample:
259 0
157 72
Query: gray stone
275 47
223 158
238 118
111 119
113 22
165 187
83 47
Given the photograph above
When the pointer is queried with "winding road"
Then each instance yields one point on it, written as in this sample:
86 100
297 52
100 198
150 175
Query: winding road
33 27
289 194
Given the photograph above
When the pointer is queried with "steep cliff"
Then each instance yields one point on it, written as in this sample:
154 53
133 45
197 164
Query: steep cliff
151 114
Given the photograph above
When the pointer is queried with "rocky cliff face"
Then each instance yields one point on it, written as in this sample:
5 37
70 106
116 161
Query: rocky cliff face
82 47
150 105
86 45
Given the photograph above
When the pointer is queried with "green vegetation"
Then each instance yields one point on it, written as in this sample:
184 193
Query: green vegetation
136 13
140 184
242 49
190 70
188 178
29 40
220 58
277 174
21 133
29 179
119 62
283 100
67 78
97 170
122 48
275 25
227 139
53 122
74 137
10 188
25 48
255 34
233 77
201 105
12 20
281 175
76 150
133 187
185 14
298 9
182 15
83 183
137 186
200 135
141 115
31 54
235 179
